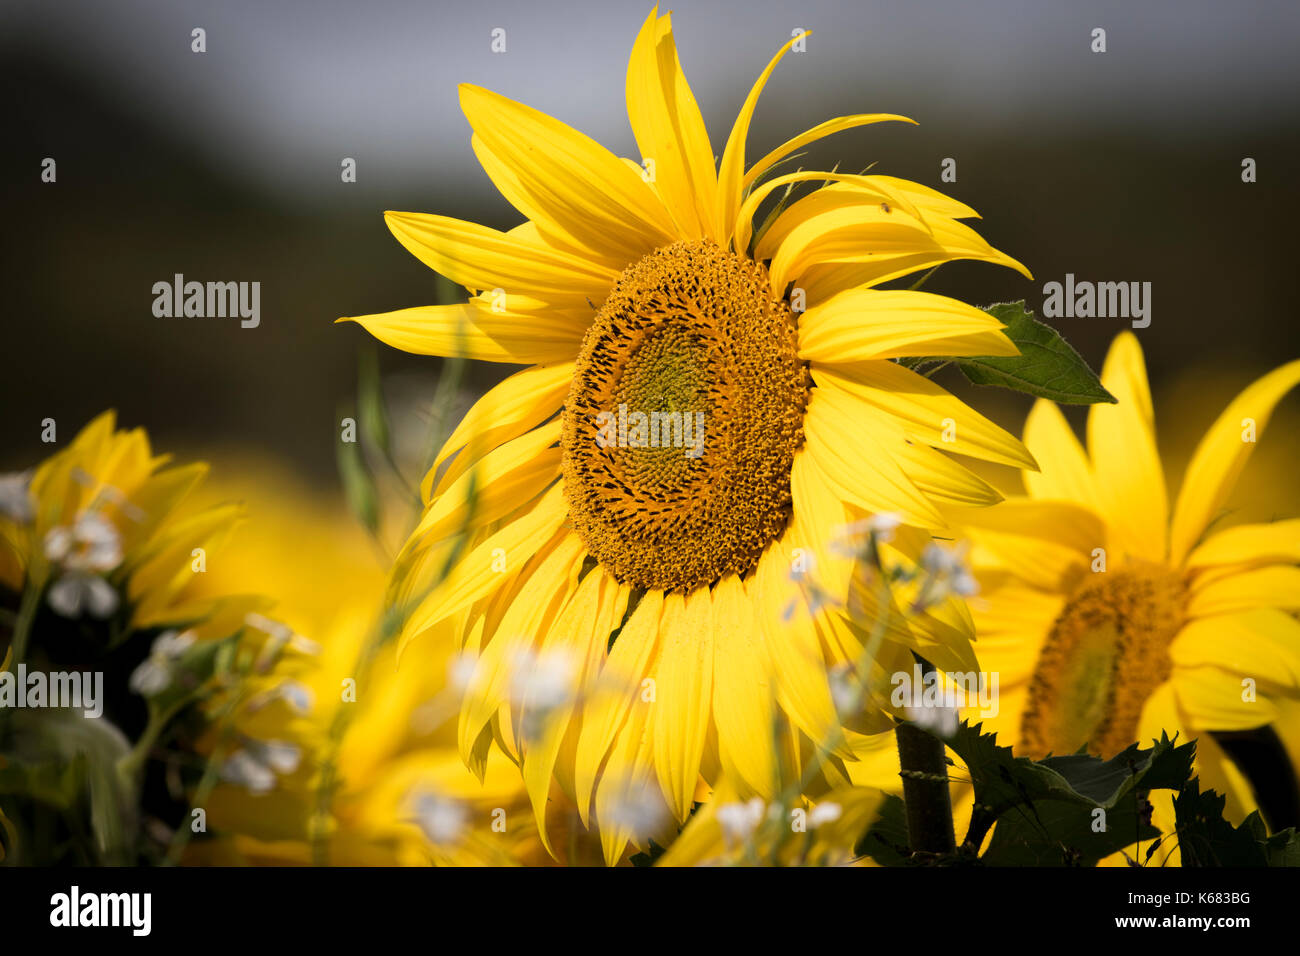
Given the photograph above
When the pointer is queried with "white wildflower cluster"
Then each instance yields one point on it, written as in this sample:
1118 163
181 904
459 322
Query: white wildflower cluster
82 552
156 672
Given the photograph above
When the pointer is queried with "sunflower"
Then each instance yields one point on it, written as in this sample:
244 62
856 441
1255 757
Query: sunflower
1107 618
709 395
103 529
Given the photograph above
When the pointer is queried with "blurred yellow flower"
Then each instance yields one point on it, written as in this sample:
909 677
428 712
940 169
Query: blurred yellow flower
1107 618
103 526
334 755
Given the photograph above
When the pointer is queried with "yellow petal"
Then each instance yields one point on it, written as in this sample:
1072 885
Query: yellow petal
618 692
1221 456
1250 544
479 573
794 656
941 478
743 695
1046 544
1064 471
522 401
683 690
480 258
670 131
927 412
858 259
861 325
820 131
1275 586
565 181
468 331
509 476
862 188
553 581
581 632
731 170
850 455
1129 479
1210 698
1261 643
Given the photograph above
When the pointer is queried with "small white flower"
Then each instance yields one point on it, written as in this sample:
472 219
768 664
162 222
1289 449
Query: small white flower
297 695
90 544
294 693
947 574
15 496
244 769
824 813
442 819
281 756
739 820
155 673
255 765
77 591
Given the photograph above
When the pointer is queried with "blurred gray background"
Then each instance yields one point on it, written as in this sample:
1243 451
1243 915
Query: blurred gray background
225 166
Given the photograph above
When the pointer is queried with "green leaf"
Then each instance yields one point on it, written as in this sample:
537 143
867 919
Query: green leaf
886 841
1205 838
1045 810
67 760
1047 366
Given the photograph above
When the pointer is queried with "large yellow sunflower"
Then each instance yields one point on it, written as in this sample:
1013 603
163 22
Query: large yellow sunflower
706 401
1107 618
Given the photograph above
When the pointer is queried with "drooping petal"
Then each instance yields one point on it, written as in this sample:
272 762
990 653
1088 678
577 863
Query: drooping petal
580 632
618 692
684 688
793 652
743 694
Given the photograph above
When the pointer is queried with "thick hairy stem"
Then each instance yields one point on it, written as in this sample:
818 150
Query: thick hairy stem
925 791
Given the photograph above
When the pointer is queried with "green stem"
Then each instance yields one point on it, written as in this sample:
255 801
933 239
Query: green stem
926 798
23 625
